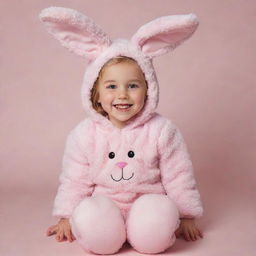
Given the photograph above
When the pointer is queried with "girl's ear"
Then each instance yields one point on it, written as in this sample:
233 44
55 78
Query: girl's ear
165 33
75 31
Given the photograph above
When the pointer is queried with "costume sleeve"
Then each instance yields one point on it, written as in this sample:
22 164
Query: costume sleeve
74 179
177 172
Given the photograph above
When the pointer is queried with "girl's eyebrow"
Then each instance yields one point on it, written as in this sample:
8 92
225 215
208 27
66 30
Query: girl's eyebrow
113 81
109 81
135 80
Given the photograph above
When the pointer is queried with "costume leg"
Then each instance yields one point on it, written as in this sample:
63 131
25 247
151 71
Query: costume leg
98 225
151 223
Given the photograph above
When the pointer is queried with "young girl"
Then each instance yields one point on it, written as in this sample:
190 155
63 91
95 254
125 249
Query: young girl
126 173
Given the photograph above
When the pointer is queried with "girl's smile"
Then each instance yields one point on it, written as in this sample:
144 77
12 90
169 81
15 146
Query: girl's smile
123 107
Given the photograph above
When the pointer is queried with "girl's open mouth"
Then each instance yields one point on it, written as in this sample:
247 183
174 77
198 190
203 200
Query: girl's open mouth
122 107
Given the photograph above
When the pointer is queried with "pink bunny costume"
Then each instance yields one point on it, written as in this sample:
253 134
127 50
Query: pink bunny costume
132 183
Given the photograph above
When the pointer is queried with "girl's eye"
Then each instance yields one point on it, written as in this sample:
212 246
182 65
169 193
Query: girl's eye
133 85
111 86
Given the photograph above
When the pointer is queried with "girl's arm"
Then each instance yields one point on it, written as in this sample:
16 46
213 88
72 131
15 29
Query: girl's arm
177 172
75 183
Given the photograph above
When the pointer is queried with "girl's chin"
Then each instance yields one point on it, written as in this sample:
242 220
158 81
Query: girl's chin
121 119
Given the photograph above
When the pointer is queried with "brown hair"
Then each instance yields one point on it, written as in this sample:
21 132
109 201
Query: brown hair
94 91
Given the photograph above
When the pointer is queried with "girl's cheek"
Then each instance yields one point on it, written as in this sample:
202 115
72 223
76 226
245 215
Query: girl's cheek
140 96
106 96
109 96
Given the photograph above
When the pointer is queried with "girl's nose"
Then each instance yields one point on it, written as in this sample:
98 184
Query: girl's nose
121 164
122 93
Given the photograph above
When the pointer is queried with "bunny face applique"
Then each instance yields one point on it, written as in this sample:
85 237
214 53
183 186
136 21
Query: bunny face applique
124 163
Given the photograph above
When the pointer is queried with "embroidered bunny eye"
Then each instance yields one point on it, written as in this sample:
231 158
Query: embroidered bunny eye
111 155
131 154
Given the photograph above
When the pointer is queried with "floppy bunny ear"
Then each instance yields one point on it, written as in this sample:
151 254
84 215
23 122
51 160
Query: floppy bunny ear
165 33
75 31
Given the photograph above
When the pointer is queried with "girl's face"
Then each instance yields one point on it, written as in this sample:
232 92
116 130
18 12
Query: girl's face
122 91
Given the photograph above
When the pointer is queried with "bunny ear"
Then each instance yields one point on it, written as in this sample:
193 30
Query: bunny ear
164 34
75 31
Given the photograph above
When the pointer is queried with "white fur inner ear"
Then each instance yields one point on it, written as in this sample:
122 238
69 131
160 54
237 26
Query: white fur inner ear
165 33
155 44
164 42
75 31
80 43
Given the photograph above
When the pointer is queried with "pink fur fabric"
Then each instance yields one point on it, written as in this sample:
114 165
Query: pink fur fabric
98 225
163 216
106 203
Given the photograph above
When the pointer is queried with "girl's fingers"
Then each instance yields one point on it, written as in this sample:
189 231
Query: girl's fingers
197 233
193 235
52 230
186 235
200 233
68 236
177 233
49 230
190 234
59 236
62 234
73 237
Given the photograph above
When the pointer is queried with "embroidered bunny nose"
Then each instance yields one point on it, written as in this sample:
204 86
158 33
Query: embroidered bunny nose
121 164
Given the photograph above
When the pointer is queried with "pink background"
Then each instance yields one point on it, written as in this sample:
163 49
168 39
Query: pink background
207 88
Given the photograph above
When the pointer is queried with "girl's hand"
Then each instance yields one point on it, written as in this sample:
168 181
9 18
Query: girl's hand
62 231
188 230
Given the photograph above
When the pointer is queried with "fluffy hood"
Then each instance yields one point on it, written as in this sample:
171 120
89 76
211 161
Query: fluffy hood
82 36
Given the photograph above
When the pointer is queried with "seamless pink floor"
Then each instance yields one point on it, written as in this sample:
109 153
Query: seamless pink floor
228 228
207 87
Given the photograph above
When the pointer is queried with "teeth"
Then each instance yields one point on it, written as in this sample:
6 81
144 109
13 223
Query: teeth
122 106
